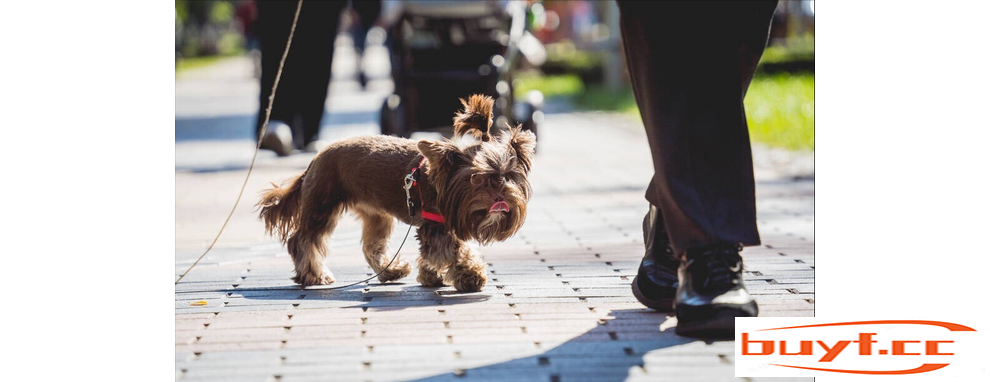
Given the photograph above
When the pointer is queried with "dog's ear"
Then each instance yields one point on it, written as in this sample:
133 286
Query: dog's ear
440 153
475 118
523 142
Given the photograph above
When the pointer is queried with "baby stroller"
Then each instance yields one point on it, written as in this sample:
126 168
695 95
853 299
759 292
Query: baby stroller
442 51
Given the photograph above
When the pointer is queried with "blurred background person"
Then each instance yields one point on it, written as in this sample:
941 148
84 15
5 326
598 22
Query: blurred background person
365 14
247 17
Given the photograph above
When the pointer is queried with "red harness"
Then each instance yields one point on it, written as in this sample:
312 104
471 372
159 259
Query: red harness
410 182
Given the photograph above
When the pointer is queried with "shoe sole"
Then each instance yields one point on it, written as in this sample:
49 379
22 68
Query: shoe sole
722 325
661 305
278 139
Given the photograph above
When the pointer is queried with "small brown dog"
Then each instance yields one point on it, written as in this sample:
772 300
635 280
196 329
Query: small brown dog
453 191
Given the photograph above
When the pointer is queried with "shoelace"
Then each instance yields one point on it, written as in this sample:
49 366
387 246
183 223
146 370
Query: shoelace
717 268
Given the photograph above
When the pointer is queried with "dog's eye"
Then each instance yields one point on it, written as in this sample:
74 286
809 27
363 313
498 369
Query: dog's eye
477 179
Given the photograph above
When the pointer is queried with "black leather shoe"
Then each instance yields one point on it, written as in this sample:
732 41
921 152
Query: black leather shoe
656 283
711 292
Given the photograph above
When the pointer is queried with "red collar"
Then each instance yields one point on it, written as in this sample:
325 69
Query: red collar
413 176
432 216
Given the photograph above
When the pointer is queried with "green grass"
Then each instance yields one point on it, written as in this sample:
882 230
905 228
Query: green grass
230 45
780 109
184 64
800 48
599 97
188 63
593 97
565 85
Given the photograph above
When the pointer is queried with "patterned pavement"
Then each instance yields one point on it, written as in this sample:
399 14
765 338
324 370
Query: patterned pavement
557 306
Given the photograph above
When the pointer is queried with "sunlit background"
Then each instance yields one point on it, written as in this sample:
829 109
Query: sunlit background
583 69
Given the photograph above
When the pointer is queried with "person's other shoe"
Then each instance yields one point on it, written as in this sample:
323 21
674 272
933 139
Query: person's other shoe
655 284
711 293
278 138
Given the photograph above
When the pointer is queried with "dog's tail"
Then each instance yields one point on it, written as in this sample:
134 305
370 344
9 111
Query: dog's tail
280 208
475 118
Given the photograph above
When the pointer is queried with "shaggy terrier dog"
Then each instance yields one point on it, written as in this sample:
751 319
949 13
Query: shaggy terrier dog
453 191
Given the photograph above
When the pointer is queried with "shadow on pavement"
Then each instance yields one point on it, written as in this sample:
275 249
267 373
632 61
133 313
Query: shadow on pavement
226 127
391 296
608 352
236 127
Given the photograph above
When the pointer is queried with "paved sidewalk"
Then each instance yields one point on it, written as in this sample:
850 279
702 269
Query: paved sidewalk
557 306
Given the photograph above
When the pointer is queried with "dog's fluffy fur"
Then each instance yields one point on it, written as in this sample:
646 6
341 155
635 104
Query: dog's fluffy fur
463 180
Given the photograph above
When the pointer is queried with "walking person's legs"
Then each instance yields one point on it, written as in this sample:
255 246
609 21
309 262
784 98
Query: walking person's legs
273 26
302 90
690 64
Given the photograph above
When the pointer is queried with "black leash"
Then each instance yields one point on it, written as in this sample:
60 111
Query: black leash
380 272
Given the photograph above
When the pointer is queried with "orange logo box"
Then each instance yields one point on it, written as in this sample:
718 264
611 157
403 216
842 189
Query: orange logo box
792 347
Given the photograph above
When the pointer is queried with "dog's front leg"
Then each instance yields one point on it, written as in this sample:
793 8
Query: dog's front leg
468 272
428 276
439 251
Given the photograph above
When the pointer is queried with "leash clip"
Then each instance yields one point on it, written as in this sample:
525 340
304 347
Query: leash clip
408 182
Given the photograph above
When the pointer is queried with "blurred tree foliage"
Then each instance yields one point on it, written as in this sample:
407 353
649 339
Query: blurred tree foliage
206 28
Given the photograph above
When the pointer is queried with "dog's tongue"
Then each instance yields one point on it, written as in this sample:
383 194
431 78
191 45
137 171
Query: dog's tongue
499 206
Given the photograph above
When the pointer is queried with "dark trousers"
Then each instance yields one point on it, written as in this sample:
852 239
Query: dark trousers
302 89
690 64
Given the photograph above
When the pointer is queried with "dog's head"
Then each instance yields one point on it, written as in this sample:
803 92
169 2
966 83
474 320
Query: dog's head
482 188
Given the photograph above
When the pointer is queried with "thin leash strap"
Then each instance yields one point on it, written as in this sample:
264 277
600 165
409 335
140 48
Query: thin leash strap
264 128
379 272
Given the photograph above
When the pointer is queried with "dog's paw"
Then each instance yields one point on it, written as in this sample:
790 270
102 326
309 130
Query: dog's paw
429 278
395 271
468 281
307 279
